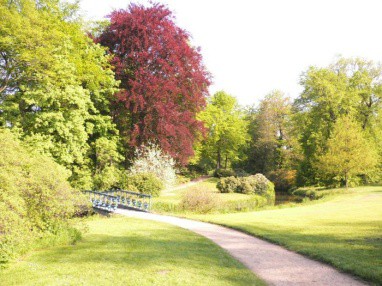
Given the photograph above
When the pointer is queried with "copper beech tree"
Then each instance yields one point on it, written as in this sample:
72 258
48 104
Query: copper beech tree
163 81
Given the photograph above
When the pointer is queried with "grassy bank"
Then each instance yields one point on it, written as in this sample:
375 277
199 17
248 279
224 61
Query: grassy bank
344 230
169 200
124 251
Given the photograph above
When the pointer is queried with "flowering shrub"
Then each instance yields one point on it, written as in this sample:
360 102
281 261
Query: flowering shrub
251 185
261 184
151 159
228 185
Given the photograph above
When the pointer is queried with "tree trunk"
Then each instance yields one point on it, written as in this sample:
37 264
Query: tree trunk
346 181
226 159
218 163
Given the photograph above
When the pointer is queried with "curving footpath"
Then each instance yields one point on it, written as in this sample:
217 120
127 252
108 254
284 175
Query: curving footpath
272 263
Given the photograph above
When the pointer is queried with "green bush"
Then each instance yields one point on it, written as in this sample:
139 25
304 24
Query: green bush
199 201
261 184
221 173
246 185
314 193
35 197
252 185
146 183
228 185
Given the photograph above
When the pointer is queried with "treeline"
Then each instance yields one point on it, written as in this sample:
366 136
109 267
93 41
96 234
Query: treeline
90 97
330 135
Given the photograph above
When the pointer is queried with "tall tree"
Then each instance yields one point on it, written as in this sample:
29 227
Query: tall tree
272 145
351 87
54 86
163 80
348 152
227 131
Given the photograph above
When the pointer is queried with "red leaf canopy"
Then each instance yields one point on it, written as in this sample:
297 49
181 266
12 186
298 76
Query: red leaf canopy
164 83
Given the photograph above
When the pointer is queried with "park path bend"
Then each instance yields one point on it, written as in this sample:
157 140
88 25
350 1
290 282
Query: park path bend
272 263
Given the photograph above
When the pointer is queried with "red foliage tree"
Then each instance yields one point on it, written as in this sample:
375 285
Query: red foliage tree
163 80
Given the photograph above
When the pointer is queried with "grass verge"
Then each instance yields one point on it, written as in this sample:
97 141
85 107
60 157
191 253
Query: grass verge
125 251
344 230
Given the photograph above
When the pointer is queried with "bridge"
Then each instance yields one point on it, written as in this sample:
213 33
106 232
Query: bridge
112 199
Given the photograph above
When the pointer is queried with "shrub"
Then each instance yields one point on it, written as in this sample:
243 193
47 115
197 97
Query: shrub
35 197
284 180
261 184
151 159
200 201
252 185
228 185
146 183
247 185
221 173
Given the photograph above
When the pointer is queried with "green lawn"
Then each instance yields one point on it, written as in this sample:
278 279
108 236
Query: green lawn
344 230
125 251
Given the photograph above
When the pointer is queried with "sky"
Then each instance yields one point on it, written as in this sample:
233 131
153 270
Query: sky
254 47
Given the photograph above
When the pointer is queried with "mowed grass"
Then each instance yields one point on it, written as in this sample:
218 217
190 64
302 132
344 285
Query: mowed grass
125 251
345 230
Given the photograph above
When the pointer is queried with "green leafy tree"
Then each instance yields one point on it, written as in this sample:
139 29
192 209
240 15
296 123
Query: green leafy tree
227 131
349 87
348 152
272 145
55 86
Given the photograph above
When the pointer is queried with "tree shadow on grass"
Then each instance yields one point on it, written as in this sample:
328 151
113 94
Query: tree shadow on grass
157 255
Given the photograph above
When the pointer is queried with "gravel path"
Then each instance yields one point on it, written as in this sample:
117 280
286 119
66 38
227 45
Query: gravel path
272 263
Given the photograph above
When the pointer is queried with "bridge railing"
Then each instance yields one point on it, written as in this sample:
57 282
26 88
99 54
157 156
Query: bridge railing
112 199
102 201
132 199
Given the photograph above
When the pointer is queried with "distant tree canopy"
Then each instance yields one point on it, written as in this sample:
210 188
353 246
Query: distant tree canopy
227 131
273 146
163 81
349 87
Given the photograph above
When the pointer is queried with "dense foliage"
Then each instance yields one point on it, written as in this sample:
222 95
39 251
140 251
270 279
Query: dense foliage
227 132
163 81
54 86
146 183
35 197
349 87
